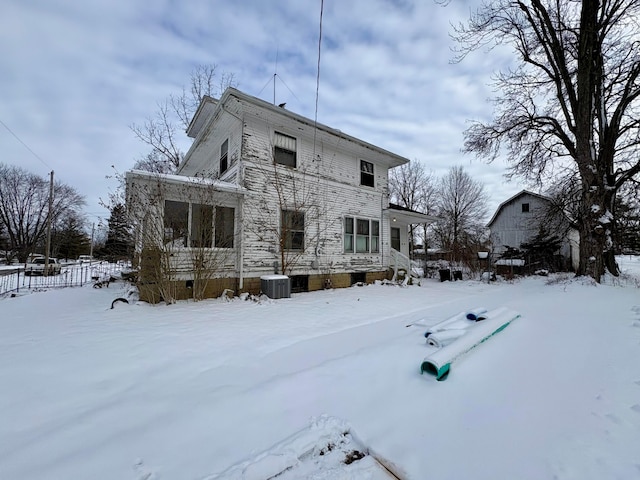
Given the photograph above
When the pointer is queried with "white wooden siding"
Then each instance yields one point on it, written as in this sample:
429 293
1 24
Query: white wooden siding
326 179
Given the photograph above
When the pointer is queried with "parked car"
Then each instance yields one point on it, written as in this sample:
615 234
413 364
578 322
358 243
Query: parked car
85 258
36 267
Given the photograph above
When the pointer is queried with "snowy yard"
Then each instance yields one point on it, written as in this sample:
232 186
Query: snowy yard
242 389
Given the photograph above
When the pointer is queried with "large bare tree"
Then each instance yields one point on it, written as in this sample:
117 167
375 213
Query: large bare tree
24 207
462 208
572 98
164 131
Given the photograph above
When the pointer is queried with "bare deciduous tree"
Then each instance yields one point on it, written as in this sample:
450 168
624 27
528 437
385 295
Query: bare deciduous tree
290 214
164 131
24 207
462 208
574 97
411 186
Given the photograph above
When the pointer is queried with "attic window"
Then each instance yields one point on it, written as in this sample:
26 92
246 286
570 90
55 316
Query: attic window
284 149
224 156
525 208
366 174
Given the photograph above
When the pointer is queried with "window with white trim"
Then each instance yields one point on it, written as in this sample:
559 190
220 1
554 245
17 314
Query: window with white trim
284 149
361 235
348 234
201 225
192 224
224 156
224 231
176 223
367 177
292 233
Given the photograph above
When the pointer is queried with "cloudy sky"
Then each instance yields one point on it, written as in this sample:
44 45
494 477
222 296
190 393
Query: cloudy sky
75 75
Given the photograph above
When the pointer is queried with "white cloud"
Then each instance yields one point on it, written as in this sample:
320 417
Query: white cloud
75 75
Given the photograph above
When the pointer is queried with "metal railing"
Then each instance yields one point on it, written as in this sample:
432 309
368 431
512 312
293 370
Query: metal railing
13 280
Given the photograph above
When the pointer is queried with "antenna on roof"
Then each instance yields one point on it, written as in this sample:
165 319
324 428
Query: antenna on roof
273 79
275 74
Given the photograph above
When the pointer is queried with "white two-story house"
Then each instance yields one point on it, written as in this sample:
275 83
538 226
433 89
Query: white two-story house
263 190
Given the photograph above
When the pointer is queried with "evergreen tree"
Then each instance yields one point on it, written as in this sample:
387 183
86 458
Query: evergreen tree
69 239
627 226
543 251
119 244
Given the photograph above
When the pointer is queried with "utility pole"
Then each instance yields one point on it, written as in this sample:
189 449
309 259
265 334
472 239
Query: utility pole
93 227
48 247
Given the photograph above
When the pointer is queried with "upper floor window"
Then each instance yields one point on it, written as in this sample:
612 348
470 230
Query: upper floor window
284 149
366 174
224 156
525 208
292 234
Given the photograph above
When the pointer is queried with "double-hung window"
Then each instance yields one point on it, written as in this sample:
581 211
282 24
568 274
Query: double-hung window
367 177
224 156
292 234
361 235
348 234
284 149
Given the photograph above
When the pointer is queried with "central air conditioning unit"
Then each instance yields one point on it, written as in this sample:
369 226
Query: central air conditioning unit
276 286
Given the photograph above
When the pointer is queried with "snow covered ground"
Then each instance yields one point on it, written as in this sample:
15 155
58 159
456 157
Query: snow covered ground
322 385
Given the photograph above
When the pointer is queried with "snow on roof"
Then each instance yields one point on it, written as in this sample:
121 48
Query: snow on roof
186 180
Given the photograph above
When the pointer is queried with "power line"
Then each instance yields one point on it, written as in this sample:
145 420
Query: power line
26 146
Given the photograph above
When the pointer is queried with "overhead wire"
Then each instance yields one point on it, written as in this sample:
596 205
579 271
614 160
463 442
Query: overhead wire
26 146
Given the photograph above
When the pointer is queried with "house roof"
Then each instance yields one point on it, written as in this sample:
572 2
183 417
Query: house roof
209 107
509 200
218 185
407 215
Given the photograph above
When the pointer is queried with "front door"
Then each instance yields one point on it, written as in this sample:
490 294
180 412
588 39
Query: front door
395 238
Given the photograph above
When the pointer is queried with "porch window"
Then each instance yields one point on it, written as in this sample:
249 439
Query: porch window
176 223
284 149
366 174
224 156
348 234
362 236
201 225
292 234
225 227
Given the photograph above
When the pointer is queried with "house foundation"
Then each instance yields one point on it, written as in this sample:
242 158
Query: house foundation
183 289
